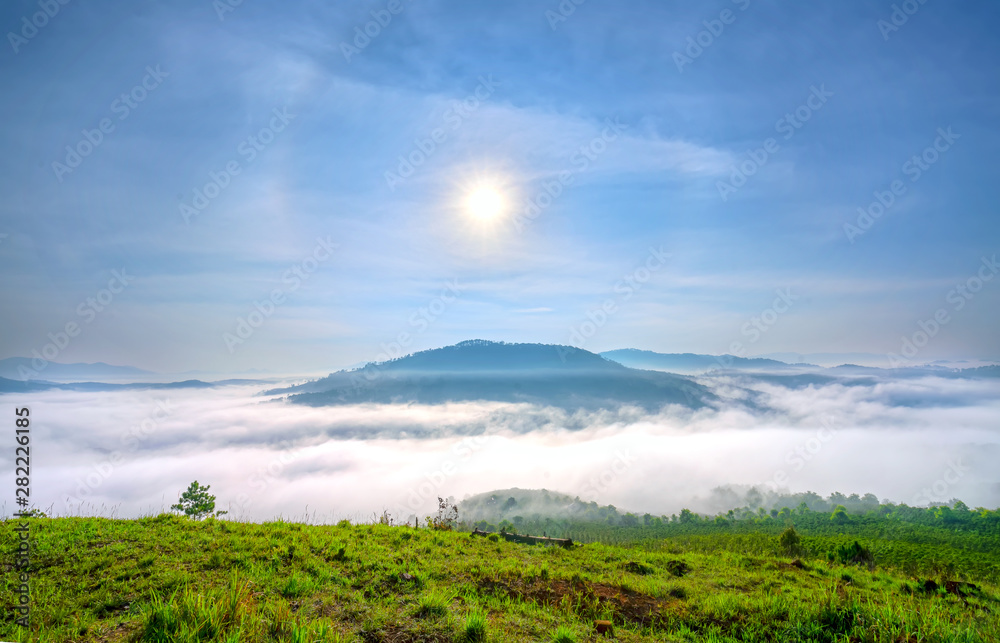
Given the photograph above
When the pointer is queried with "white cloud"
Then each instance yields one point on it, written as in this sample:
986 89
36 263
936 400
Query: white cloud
276 458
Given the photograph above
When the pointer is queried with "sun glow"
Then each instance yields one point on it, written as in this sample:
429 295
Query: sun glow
486 203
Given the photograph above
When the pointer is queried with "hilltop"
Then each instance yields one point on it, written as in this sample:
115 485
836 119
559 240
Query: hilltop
544 374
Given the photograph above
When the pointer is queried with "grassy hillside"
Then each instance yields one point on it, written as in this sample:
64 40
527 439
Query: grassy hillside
168 578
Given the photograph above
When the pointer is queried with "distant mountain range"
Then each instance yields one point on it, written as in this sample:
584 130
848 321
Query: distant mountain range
829 359
778 371
546 374
693 363
24 368
20 386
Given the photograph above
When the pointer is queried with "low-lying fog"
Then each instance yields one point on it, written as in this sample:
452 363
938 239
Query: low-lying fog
131 453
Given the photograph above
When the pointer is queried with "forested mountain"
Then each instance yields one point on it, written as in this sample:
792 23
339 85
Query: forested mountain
544 374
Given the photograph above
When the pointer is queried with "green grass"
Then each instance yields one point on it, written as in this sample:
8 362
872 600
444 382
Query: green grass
168 578
475 628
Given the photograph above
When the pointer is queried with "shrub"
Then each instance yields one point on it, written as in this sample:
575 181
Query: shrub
446 517
790 541
853 554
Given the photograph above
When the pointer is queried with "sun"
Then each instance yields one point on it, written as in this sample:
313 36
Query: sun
486 203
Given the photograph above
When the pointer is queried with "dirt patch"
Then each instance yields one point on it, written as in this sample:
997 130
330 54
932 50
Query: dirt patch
397 634
589 600
119 633
959 588
795 564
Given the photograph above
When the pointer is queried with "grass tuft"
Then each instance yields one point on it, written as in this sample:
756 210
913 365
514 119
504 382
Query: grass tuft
475 627
433 604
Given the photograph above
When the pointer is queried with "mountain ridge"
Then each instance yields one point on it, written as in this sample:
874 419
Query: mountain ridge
694 362
27 368
481 370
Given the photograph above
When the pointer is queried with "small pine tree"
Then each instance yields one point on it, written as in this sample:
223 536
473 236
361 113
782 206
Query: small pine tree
197 503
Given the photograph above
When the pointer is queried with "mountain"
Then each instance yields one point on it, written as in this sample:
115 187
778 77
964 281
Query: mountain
981 371
22 368
544 374
830 359
29 386
693 363
927 370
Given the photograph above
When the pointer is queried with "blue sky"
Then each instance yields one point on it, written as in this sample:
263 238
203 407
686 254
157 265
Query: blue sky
339 262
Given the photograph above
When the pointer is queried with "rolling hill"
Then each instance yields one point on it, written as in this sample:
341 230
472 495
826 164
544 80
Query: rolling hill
544 374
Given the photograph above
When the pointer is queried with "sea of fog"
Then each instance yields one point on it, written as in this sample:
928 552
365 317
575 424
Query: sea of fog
131 452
